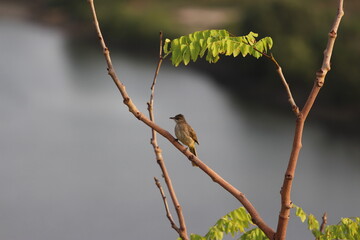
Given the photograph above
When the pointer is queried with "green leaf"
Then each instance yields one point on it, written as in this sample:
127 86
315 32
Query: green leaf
313 223
185 53
214 49
244 215
176 53
203 47
194 50
253 35
196 237
223 33
269 42
301 214
206 34
191 37
244 49
198 35
229 48
166 46
251 38
214 33
183 40
237 49
348 228
254 234
259 46
257 55
214 43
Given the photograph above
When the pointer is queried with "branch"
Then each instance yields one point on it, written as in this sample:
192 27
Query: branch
290 172
168 214
324 222
140 116
291 100
182 231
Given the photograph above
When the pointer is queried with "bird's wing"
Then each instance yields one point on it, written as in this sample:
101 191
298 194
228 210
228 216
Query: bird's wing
193 135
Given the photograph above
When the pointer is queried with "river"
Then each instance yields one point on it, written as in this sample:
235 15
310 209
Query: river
75 164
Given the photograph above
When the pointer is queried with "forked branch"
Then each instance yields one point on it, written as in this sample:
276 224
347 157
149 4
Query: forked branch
291 100
290 172
166 205
182 231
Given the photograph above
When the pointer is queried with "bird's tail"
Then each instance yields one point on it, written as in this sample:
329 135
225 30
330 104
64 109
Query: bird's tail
193 151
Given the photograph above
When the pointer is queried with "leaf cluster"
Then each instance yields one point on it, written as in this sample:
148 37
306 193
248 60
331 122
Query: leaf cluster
347 228
213 43
235 222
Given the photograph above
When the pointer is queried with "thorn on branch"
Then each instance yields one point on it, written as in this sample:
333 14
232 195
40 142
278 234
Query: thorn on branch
296 110
320 82
288 177
126 101
149 107
320 73
288 206
332 34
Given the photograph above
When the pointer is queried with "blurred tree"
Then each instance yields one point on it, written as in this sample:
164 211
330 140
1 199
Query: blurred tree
298 28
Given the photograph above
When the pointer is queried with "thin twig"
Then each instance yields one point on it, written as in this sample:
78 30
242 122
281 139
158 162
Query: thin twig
157 68
324 222
290 172
182 231
269 232
168 214
291 100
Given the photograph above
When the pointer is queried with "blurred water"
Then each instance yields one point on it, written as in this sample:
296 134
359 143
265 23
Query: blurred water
76 165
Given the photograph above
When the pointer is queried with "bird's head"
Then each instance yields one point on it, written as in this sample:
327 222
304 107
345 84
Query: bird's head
178 118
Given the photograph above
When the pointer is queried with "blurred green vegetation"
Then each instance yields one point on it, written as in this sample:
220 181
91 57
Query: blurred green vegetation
299 30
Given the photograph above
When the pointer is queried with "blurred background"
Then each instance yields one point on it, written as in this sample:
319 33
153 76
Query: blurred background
76 165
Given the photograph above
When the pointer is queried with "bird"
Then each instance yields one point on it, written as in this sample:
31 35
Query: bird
185 133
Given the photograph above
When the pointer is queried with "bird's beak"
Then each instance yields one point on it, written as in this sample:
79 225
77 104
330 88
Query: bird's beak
172 117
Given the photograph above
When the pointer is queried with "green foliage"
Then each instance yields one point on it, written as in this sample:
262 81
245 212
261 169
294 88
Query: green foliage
347 228
233 223
253 234
213 43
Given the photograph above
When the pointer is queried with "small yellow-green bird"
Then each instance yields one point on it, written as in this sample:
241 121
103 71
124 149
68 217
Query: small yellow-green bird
185 133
